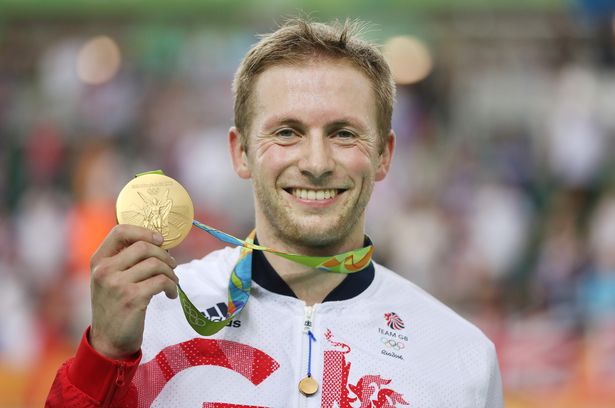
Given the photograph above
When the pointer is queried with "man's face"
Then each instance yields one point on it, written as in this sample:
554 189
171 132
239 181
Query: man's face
313 153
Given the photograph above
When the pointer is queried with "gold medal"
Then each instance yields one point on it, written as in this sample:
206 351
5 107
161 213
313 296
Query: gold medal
308 386
157 202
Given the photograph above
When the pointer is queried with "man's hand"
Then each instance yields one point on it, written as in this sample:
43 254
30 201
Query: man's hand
128 269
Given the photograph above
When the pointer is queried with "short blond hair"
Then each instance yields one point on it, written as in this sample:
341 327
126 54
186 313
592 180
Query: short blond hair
300 41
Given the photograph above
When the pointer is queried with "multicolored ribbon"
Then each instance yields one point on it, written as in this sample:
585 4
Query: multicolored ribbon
241 275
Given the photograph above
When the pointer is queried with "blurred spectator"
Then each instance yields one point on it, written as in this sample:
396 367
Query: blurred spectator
97 179
40 237
498 227
561 255
576 142
597 288
419 243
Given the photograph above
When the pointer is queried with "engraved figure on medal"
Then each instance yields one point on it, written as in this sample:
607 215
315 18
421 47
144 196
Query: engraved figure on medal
156 211
157 214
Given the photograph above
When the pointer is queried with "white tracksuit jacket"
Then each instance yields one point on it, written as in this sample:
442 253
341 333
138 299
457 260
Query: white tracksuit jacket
381 342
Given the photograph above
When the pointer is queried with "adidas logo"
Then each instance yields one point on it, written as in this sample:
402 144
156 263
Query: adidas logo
218 312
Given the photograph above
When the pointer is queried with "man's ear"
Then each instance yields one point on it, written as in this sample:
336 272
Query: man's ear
386 156
238 154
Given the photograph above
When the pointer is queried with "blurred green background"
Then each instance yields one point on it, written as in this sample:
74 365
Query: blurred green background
501 199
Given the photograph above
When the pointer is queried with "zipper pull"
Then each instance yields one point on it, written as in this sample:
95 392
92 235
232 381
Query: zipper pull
308 385
307 322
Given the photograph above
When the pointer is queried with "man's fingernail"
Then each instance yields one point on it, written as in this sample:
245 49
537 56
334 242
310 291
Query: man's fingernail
174 262
158 238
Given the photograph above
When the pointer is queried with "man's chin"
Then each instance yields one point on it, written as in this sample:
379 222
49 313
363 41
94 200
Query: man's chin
311 237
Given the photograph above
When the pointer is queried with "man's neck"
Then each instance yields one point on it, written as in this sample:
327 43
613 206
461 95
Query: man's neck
308 284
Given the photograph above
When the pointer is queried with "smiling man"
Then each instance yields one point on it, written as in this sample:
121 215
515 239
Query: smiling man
312 132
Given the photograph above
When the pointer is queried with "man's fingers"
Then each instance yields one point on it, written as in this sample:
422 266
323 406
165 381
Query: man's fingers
122 236
148 268
157 284
140 251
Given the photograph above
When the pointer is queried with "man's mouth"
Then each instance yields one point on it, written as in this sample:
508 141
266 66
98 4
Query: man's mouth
314 194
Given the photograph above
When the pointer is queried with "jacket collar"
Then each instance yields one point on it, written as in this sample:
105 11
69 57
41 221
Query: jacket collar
267 277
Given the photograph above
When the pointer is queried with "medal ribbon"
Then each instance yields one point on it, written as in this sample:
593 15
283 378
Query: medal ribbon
240 282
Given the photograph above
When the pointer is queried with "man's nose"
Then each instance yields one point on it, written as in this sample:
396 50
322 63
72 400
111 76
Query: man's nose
316 158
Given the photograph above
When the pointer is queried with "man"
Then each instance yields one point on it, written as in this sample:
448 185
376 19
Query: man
313 132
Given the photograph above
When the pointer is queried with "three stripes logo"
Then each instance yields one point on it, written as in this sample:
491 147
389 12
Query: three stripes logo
394 321
218 312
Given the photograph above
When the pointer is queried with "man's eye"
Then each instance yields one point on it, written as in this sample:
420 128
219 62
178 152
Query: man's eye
285 133
344 134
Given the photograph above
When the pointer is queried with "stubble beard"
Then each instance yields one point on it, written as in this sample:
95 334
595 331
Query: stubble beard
299 232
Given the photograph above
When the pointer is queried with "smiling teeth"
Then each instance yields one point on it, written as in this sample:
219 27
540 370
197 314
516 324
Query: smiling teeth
304 194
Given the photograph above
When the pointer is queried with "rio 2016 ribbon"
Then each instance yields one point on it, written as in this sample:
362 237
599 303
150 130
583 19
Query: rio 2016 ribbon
160 203
348 262
241 275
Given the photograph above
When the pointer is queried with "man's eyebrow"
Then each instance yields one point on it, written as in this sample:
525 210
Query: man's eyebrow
354 122
283 120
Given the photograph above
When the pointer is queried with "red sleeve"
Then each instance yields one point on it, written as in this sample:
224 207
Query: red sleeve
93 380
